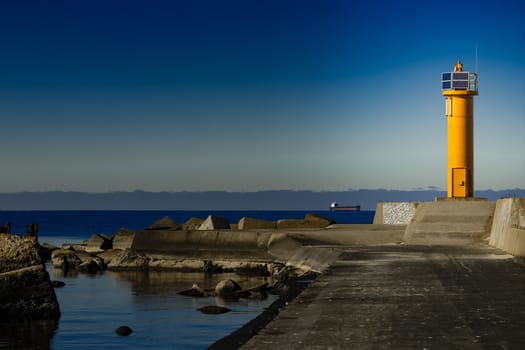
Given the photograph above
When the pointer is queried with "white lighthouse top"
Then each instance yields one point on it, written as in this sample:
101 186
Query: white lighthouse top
459 80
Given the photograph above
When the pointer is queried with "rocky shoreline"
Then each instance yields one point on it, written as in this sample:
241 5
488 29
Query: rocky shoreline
251 247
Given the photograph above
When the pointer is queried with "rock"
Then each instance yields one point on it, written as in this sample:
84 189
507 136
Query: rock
97 243
195 291
192 224
92 265
123 239
166 223
123 331
129 260
247 223
318 220
26 292
65 259
214 223
108 255
58 284
69 259
226 287
214 310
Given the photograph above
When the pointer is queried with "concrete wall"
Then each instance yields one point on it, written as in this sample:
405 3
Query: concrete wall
185 242
508 226
395 213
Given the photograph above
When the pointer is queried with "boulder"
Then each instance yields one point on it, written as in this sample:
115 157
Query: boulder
247 223
166 223
226 287
123 239
123 331
195 291
214 310
108 255
92 265
192 224
213 222
65 259
26 292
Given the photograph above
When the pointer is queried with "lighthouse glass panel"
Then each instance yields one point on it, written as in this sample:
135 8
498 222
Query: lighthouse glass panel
460 84
460 76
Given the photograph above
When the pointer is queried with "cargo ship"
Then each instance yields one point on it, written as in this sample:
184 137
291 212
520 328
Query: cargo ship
336 207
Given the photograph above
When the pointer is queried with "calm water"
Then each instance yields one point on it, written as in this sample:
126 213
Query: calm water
93 306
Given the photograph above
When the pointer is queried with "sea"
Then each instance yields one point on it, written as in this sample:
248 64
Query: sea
94 305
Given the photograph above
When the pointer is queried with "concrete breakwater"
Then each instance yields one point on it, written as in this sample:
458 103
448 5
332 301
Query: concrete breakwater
210 245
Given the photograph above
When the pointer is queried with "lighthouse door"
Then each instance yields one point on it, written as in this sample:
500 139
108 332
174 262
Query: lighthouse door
459 181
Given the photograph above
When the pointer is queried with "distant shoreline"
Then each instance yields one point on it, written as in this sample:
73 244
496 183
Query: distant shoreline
224 200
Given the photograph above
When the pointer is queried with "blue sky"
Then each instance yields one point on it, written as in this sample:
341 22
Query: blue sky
253 95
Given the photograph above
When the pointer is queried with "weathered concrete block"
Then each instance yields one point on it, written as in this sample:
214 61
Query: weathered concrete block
166 223
247 223
192 224
123 239
17 252
65 259
97 243
214 223
26 292
506 227
450 222
318 220
129 260
515 243
284 224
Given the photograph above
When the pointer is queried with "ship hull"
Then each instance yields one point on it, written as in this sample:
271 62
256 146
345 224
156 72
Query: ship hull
346 208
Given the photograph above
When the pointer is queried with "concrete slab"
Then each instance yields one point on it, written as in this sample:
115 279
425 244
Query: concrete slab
455 222
406 297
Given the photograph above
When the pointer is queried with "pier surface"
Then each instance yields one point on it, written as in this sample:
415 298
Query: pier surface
399 296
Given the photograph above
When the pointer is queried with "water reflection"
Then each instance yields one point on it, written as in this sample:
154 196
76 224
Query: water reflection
93 306
34 335
168 282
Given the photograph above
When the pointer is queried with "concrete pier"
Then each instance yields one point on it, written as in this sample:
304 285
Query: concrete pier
452 291
395 296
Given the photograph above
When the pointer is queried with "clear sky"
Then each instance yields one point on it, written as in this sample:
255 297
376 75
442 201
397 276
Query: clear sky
99 95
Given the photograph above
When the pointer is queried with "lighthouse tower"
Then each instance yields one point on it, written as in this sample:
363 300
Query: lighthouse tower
459 88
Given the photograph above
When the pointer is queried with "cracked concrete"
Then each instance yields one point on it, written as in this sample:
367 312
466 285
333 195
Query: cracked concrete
395 296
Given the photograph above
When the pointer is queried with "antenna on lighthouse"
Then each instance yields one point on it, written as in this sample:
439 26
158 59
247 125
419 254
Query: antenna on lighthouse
476 47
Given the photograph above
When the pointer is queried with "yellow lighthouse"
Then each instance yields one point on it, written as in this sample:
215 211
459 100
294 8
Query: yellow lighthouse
460 87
